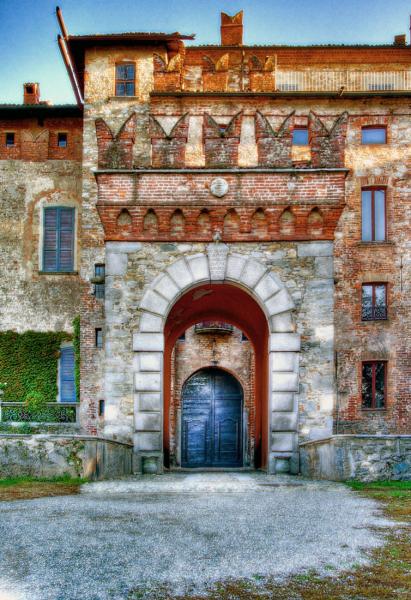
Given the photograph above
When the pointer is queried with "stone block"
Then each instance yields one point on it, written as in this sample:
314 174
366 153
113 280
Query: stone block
307 249
285 342
148 361
324 267
165 286
180 273
235 264
282 442
283 421
148 401
252 273
155 303
284 382
147 421
282 323
284 361
150 323
123 247
148 342
116 264
147 382
145 441
279 303
199 267
267 287
282 401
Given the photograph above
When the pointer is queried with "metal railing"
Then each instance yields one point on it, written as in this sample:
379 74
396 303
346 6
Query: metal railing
374 313
53 412
348 80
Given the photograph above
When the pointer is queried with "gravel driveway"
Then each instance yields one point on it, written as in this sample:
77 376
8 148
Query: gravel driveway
181 530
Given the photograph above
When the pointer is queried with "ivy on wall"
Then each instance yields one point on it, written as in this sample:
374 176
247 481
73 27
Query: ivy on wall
29 364
28 374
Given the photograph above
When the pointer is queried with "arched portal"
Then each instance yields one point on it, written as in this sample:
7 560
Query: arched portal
238 289
229 303
212 430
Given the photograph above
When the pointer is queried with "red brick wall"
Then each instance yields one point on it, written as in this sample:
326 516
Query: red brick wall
37 140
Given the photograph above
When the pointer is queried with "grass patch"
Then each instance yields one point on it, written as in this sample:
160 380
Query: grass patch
387 577
25 488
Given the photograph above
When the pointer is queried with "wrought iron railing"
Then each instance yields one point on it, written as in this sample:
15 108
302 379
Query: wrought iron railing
52 412
347 80
213 327
374 313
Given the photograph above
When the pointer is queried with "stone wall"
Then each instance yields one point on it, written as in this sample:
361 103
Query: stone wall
48 455
306 272
362 457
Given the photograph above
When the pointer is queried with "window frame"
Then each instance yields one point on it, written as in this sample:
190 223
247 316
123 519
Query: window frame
6 134
373 386
73 241
117 80
98 338
374 284
373 189
99 291
301 128
365 127
60 399
59 133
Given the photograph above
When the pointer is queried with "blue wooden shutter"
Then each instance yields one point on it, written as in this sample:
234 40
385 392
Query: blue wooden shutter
66 233
50 239
58 251
67 383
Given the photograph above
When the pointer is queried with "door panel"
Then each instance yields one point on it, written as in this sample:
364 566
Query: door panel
212 420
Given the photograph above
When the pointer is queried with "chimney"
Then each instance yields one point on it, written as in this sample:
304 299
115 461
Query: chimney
232 29
400 40
31 93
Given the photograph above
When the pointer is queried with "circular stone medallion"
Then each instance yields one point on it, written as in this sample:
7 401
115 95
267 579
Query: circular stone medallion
219 187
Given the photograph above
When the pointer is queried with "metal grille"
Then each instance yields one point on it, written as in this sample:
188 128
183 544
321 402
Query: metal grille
374 313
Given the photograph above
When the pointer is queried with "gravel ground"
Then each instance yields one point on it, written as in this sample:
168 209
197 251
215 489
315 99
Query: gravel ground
180 530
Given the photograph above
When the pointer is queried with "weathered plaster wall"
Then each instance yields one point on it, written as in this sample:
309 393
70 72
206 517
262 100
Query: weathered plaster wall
31 299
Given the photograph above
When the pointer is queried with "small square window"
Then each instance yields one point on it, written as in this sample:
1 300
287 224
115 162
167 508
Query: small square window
373 384
10 140
300 136
125 79
99 337
373 135
374 301
62 140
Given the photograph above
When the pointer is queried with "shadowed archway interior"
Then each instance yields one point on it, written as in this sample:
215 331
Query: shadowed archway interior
231 304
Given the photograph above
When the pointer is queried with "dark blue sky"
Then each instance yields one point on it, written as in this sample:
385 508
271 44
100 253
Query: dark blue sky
28 29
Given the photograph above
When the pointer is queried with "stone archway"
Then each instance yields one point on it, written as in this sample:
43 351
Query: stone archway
216 266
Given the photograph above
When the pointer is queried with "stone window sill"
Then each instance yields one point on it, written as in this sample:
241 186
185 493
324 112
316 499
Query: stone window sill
57 272
379 410
376 243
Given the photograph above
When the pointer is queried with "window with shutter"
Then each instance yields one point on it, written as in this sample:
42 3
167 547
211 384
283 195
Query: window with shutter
58 244
67 381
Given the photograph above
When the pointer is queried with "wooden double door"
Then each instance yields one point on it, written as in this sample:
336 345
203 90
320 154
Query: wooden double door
212 420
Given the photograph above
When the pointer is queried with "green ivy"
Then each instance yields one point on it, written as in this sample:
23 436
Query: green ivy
29 364
76 347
